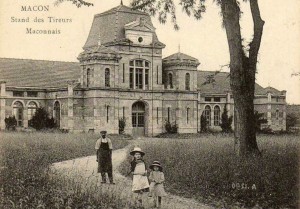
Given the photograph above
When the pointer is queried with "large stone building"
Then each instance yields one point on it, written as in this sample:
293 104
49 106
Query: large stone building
121 74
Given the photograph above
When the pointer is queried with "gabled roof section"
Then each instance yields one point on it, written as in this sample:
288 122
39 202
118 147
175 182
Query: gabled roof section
210 82
109 26
140 25
37 73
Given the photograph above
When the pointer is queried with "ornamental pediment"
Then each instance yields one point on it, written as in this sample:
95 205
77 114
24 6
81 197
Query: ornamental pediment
140 24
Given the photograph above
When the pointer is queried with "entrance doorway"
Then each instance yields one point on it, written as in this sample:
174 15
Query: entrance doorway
138 119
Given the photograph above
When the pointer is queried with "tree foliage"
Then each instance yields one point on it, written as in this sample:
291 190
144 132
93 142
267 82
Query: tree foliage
10 123
203 123
259 120
122 125
226 121
41 120
291 121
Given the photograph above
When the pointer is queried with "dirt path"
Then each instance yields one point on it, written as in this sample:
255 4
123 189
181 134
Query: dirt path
85 170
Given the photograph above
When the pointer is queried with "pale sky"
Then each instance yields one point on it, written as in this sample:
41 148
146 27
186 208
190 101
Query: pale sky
205 39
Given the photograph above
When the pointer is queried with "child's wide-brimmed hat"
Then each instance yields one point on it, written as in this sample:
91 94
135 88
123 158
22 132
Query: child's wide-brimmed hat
103 132
156 163
137 149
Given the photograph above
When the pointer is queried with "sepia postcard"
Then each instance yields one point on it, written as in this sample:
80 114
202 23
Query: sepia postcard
149 92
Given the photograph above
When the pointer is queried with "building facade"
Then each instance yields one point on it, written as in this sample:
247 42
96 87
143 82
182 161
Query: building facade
121 74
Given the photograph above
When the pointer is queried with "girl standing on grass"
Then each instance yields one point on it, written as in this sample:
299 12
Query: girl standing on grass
140 183
157 178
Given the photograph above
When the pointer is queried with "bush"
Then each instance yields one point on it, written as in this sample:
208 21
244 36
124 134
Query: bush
41 120
259 120
10 123
171 128
226 121
291 121
122 125
203 123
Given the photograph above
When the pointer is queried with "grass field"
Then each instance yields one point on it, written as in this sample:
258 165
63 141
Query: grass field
25 159
206 169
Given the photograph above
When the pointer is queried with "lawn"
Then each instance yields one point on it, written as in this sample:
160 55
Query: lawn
206 169
25 159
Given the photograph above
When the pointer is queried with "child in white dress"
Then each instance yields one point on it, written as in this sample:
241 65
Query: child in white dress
140 183
157 179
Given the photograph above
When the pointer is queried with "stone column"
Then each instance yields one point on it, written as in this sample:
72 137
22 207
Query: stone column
2 105
70 106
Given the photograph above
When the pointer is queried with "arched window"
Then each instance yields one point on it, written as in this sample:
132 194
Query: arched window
88 77
18 109
170 79
217 115
107 77
207 111
139 74
32 106
187 81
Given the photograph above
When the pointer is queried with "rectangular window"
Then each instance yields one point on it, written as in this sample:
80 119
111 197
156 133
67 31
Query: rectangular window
123 112
168 114
131 78
187 115
139 78
18 93
217 99
123 72
32 94
107 113
146 79
157 115
207 99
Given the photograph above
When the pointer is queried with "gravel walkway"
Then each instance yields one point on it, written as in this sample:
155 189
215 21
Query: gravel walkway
85 170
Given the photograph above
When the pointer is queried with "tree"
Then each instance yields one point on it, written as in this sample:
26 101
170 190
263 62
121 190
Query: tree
41 119
291 121
242 63
203 123
226 121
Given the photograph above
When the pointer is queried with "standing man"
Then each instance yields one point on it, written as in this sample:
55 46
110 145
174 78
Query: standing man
104 153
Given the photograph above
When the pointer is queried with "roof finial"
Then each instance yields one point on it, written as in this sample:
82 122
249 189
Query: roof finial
121 2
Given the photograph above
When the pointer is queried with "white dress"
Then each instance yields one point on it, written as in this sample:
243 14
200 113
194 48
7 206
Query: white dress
140 182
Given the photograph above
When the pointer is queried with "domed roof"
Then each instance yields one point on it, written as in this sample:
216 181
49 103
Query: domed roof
99 52
181 59
109 26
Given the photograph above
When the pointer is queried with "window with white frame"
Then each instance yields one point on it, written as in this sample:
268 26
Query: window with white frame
207 112
139 74
217 115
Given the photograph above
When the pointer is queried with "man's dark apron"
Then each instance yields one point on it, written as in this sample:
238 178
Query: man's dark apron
104 159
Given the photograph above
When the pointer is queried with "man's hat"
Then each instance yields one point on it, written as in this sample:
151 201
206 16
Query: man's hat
137 149
103 132
156 163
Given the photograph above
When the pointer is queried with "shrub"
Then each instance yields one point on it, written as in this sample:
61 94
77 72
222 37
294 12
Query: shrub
226 121
171 128
41 119
10 123
259 119
203 123
291 121
122 125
